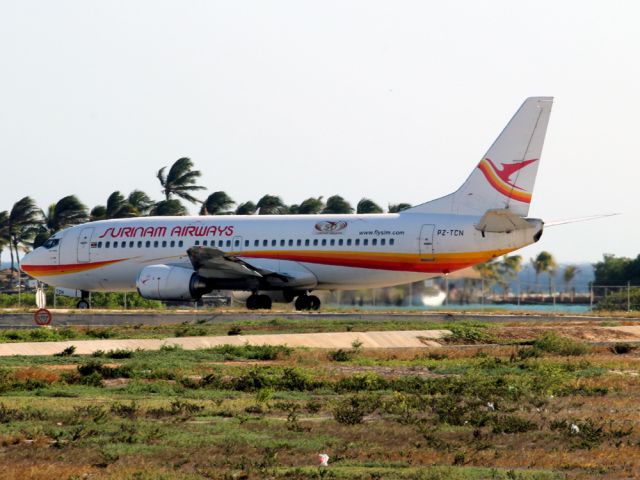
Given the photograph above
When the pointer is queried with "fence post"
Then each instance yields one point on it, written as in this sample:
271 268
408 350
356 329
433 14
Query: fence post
628 296
591 297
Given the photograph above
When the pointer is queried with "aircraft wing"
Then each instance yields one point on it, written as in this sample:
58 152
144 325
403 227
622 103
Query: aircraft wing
212 263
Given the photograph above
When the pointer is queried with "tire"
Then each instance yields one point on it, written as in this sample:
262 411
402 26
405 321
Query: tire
264 302
253 302
82 304
302 303
314 302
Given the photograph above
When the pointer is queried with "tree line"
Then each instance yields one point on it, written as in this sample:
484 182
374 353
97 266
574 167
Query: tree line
26 226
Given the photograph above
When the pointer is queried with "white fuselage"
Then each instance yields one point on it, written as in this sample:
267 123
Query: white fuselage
336 251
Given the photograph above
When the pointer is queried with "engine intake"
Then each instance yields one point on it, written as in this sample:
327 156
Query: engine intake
164 282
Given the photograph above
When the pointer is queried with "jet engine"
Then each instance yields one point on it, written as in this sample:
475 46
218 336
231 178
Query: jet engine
164 282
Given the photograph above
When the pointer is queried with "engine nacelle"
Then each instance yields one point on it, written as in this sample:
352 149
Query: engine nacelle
164 282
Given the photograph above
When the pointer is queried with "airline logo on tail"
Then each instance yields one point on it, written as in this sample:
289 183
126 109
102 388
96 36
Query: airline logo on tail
500 179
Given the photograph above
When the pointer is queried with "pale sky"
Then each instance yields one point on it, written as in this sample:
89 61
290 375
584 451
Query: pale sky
396 101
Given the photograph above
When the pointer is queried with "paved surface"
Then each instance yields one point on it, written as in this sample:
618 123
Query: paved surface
392 339
105 319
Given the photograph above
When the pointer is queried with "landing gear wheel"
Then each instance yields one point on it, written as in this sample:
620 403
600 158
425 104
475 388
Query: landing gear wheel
303 302
252 302
314 302
82 304
264 302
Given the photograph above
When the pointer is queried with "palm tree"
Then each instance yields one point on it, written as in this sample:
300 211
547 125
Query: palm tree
544 262
25 219
337 205
66 212
368 206
488 272
246 208
4 232
99 212
271 205
180 181
140 202
508 269
119 207
569 274
218 203
169 208
398 207
310 206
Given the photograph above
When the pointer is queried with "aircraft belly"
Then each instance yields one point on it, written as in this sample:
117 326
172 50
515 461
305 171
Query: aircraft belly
350 278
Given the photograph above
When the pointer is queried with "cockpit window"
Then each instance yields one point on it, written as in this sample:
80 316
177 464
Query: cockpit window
52 242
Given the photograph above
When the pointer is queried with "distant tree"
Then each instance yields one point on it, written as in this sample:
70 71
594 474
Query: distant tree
246 208
140 202
614 270
310 206
99 212
488 273
398 207
119 207
569 274
169 208
66 212
508 269
337 205
544 263
25 220
271 205
180 181
5 238
218 203
366 205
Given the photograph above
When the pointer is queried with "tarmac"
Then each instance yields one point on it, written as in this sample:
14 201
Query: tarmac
334 340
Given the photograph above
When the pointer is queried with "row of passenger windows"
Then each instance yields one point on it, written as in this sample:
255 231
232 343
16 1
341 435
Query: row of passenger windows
340 242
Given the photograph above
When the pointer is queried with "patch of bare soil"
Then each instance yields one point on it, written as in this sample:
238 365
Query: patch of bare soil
583 332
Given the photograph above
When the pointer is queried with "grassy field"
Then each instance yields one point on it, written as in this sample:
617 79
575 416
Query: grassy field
533 408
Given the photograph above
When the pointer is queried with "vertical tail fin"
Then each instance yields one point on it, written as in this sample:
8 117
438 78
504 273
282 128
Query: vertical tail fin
505 176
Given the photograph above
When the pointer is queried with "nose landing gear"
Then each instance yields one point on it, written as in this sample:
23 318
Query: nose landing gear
85 301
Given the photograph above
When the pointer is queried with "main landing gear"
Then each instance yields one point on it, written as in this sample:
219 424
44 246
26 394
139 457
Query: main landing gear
85 301
255 302
307 302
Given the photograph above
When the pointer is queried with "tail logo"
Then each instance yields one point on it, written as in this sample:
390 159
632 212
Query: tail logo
500 179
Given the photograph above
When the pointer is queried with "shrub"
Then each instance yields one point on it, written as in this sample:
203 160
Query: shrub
468 333
123 410
618 301
622 348
252 352
119 354
352 410
100 333
234 331
512 424
552 343
67 352
341 355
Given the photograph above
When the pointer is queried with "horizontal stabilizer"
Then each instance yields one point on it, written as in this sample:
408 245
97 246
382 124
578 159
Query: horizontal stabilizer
501 221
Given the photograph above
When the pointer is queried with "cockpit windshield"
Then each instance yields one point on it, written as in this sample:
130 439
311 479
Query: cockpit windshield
52 242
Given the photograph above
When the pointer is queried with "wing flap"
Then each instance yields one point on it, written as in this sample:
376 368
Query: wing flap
213 263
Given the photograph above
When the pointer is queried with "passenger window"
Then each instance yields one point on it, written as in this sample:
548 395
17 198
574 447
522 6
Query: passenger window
392 241
99 244
173 243
265 243
228 243
123 244
324 242
365 242
348 242
383 242
155 244
299 242
131 244
306 242
115 244
273 243
374 242
236 243
139 244
164 244
282 243
107 244
147 244
291 243
246 243
340 242
357 242
315 242
180 243
197 242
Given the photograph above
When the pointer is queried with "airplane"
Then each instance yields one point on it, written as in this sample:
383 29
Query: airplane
287 257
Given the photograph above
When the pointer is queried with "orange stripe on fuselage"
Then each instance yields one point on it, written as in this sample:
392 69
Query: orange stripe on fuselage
405 262
66 269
